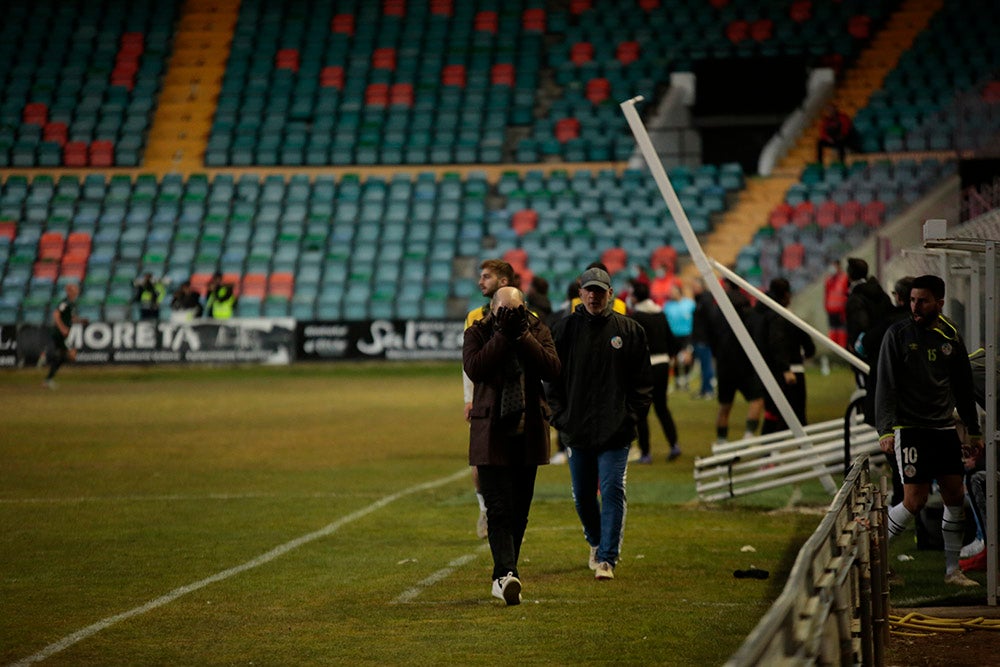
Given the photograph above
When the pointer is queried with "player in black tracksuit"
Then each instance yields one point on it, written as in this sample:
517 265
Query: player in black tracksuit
923 376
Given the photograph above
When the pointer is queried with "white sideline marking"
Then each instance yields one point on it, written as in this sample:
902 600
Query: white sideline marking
263 559
411 593
167 498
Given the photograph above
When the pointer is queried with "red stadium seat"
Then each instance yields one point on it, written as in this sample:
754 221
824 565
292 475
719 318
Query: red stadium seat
615 259
578 7
453 75
850 213
401 94
664 256
517 258
762 30
287 59
384 58
332 76
792 256
827 214
738 31
524 221
343 24
8 229
533 20
502 74
627 52
442 8
873 214
566 129
598 90
46 270
281 284
804 215
781 215
581 53
486 21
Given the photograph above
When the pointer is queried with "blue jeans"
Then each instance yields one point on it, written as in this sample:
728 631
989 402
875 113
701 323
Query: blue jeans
604 521
703 353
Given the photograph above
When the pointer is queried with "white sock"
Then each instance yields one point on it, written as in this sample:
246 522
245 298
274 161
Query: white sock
900 519
482 502
952 532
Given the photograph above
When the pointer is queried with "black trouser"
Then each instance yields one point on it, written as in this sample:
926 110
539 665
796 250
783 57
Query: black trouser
507 491
796 395
56 356
661 381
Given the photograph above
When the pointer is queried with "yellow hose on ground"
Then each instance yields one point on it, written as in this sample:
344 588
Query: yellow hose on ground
929 625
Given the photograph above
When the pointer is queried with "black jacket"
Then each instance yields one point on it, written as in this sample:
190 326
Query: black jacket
866 304
606 379
923 376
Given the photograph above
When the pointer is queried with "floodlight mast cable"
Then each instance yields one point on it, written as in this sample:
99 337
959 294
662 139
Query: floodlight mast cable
700 260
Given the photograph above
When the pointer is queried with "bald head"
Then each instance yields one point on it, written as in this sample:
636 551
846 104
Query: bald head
506 297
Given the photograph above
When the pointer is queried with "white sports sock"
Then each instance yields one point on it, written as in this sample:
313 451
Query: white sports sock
900 519
482 502
952 532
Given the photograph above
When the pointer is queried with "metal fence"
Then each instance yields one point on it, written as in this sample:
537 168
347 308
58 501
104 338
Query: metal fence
834 607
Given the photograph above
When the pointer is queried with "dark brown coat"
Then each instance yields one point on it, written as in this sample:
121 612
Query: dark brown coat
484 355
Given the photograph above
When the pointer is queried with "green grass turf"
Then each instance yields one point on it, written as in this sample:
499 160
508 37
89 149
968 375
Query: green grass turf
126 484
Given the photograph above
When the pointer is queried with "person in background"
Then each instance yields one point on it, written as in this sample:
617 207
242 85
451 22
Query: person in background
538 297
870 352
680 314
924 376
63 318
185 305
662 347
508 354
617 304
596 401
149 295
703 304
866 302
835 303
836 131
785 347
220 299
733 368
493 274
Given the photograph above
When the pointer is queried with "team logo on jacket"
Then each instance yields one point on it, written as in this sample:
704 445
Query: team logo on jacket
616 342
946 349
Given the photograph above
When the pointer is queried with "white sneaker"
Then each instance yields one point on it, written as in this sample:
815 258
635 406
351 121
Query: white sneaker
958 578
482 527
559 458
971 549
592 563
508 589
49 384
604 571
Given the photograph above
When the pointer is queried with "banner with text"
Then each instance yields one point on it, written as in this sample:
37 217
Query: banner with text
379 339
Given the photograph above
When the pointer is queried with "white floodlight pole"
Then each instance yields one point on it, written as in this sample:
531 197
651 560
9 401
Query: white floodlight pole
701 262
818 335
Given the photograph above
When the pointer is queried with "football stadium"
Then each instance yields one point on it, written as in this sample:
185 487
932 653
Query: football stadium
239 241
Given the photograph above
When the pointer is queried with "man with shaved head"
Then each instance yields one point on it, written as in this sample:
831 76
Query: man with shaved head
508 354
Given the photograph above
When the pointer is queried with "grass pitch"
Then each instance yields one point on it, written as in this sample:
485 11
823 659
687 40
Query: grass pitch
324 514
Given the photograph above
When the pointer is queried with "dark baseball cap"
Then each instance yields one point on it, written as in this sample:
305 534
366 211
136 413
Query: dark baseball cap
595 278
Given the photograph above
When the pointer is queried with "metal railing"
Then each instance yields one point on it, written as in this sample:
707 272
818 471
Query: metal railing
834 607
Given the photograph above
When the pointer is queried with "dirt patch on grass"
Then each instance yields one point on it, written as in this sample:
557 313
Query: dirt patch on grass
974 647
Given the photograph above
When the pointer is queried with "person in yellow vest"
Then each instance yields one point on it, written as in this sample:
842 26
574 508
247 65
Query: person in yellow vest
617 304
220 300
493 274
149 295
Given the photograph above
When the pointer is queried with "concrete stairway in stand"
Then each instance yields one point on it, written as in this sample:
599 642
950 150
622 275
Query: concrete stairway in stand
191 86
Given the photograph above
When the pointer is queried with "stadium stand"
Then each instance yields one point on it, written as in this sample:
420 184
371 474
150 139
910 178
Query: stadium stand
354 159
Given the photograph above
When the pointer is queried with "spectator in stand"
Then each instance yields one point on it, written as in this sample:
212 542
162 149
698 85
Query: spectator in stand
785 347
149 295
680 314
662 347
186 304
924 376
662 285
836 131
703 304
220 299
835 302
493 274
733 368
508 354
